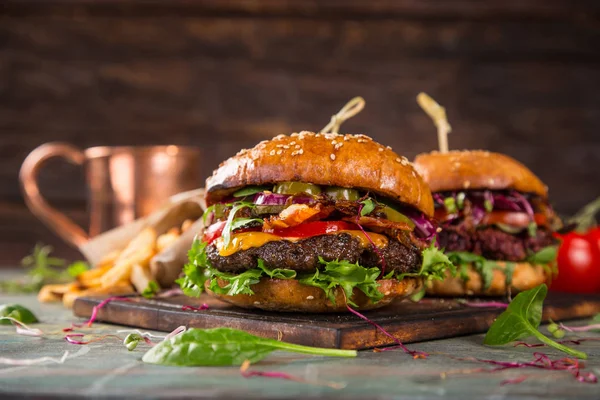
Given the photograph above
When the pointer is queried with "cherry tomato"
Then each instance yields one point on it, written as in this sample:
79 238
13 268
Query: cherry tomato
579 263
309 229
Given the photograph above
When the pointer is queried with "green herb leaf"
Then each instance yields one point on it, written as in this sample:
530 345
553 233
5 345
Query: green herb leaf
509 271
249 190
450 205
194 277
223 347
241 222
18 312
209 210
596 318
131 341
513 230
229 225
418 296
368 205
347 276
77 268
547 255
151 290
522 319
487 204
276 273
484 267
460 200
435 265
236 284
532 229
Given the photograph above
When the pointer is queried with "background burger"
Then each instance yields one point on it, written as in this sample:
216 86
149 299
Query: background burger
313 222
496 222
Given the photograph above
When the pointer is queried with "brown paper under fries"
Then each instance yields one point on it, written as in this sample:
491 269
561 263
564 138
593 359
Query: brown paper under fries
166 265
123 255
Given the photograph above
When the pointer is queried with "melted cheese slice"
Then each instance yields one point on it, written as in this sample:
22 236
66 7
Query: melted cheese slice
247 240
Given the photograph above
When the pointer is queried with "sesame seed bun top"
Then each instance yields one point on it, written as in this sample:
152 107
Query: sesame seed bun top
329 159
477 169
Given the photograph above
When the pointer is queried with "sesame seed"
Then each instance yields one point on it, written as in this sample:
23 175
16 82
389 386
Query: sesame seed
337 146
332 156
257 303
279 137
333 142
467 184
292 143
398 159
301 151
272 153
297 146
310 297
388 147
285 146
361 140
279 152
346 138
380 149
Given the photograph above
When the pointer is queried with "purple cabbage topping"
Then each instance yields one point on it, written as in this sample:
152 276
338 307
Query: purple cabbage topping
511 201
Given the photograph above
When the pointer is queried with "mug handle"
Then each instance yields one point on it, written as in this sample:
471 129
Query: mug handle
54 219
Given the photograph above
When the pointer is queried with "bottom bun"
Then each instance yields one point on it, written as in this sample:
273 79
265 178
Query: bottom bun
291 295
525 276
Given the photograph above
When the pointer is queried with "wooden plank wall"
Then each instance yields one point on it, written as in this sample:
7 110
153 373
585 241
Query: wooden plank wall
520 77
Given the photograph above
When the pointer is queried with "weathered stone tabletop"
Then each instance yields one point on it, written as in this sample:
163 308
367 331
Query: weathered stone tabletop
107 369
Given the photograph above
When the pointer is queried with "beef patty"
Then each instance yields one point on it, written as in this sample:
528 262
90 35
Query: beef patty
303 255
493 243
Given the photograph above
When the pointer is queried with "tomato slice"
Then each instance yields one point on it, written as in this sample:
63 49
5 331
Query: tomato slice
512 218
304 230
213 232
315 228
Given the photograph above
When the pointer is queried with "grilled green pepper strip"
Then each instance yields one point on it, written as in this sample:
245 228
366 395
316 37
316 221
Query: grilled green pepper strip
296 188
396 216
342 193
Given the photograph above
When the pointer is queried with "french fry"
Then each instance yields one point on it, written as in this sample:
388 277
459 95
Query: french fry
140 277
139 251
93 274
120 288
166 239
108 259
55 292
186 225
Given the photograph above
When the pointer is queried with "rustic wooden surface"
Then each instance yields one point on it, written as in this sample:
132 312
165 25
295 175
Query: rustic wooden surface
520 77
106 369
409 322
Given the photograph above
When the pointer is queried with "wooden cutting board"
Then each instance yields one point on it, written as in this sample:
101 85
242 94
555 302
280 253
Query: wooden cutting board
429 319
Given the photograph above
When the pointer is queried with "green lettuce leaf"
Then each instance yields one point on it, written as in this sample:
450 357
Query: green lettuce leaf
547 255
194 272
435 265
151 290
348 276
484 267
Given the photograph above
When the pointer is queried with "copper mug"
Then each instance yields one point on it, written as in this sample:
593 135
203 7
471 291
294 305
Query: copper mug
124 183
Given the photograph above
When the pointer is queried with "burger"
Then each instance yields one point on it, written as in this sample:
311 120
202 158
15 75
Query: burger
497 224
315 223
